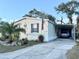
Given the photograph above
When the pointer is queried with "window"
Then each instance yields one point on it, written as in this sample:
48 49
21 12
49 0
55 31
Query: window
35 27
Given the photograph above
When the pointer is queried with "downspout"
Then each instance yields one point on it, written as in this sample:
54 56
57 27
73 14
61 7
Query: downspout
42 24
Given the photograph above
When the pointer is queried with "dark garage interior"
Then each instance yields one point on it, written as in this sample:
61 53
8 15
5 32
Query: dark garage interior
64 31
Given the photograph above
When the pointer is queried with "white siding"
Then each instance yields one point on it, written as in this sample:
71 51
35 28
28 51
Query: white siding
45 30
34 35
48 32
51 32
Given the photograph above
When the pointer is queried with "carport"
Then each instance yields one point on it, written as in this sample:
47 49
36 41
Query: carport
64 31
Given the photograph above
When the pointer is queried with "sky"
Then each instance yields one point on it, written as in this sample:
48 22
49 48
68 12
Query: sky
12 10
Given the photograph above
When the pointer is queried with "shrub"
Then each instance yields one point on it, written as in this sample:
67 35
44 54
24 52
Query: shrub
10 41
77 35
41 38
24 41
77 38
2 39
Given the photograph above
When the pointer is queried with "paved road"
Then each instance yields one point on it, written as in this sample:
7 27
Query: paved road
53 50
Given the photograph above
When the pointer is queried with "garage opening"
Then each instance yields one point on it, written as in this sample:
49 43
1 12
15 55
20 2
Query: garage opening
64 31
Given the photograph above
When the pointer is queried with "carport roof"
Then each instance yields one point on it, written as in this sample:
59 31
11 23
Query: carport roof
68 26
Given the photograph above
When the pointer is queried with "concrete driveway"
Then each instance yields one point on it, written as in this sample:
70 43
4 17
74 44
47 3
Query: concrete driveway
53 50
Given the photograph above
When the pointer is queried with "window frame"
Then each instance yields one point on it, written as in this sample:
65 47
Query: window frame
35 30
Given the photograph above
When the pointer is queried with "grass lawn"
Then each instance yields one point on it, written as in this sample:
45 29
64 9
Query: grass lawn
4 49
73 53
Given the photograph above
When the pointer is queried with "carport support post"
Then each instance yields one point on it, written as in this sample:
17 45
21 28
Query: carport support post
74 32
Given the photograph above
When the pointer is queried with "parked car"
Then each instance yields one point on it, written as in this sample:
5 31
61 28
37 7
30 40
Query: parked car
64 34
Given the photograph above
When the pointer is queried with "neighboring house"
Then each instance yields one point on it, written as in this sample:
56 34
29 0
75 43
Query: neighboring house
33 27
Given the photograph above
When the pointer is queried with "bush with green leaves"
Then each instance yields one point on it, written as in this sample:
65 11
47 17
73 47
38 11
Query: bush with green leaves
11 30
77 35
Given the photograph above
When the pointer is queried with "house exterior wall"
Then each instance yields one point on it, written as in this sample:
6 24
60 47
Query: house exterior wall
51 31
33 36
48 31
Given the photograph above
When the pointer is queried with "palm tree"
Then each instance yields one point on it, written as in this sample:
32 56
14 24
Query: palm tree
10 30
69 9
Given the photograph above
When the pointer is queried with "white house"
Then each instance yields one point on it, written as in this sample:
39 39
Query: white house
33 27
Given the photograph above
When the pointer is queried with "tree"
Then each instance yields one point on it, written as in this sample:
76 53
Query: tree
77 24
42 15
50 17
77 28
69 9
10 30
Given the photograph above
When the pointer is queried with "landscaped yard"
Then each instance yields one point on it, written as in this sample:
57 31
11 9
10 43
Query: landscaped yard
13 48
73 53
